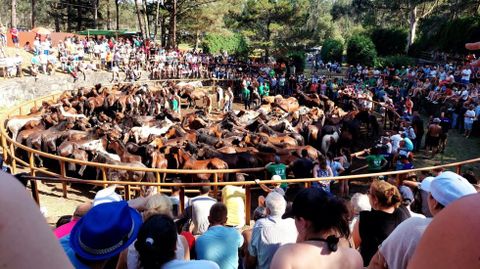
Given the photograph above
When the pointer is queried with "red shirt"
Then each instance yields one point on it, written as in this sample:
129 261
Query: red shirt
14 32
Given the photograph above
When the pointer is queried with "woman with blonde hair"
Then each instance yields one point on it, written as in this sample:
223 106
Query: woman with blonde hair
374 226
158 204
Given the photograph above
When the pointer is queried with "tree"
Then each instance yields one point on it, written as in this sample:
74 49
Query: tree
332 50
361 50
13 21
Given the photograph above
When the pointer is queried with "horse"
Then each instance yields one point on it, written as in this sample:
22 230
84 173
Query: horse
186 161
121 151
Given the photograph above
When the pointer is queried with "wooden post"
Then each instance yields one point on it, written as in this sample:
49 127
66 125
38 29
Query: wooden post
63 173
182 200
104 177
215 188
4 147
458 170
159 188
248 204
127 192
13 163
20 110
33 182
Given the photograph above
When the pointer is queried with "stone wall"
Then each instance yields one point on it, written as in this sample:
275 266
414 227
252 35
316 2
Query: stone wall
16 90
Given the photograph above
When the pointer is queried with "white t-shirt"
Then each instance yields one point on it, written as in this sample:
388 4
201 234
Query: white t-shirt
466 74
400 245
469 116
200 210
395 142
133 258
203 264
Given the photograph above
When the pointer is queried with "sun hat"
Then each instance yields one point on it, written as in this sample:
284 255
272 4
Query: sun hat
276 177
436 120
406 193
105 231
106 195
449 186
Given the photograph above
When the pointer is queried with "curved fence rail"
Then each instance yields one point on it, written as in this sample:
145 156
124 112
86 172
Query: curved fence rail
9 147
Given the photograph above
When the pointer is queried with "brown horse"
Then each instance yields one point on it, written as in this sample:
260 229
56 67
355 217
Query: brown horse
186 161
121 151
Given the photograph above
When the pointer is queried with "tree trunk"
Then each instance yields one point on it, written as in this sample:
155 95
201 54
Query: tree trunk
34 13
146 21
172 29
117 13
163 28
267 36
197 40
157 16
79 17
13 21
109 24
413 21
139 17
69 18
95 14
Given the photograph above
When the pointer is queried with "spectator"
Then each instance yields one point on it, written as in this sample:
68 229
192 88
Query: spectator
14 34
321 221
270 233
322 169
156 244
376 162
398 248
175 198
24 231
234 199
105 231
375 225
65 229
277 168
303 167
360 202
199 208
219 243
457 247
468 121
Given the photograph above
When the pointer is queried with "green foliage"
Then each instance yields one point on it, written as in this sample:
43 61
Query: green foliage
360 49
298 59
437 33
395 61
232 43
332 50
389 41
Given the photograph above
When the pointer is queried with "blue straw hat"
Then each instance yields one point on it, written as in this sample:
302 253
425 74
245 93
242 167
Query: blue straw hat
105 231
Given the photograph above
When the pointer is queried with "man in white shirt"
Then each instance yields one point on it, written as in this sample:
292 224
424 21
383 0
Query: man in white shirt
395 140
199 209
397 250
270 233
466 72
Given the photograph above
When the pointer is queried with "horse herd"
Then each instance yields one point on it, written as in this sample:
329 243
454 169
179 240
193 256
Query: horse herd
132 126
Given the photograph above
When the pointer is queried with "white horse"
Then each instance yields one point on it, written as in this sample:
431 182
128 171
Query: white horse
329 140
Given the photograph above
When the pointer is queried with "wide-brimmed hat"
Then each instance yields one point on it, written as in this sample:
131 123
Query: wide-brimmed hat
106 195
105 231
436 120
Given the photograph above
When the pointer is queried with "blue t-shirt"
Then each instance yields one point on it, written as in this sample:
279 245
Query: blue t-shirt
65 243
408 144
220 244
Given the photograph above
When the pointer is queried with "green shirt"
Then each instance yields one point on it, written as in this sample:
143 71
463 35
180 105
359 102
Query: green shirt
261 89
267 90
278 169
375 162
246 94
175 104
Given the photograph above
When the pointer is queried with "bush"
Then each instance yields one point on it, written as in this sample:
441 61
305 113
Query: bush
361 50
395 61
232 43
389 41
332 50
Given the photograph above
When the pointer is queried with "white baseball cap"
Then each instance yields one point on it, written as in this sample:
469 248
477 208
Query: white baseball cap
448 187
106 195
